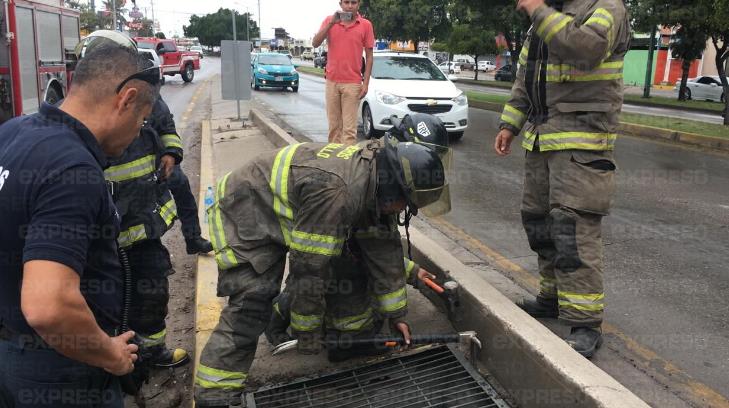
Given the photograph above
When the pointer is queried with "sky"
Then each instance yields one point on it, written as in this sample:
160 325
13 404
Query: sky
301 18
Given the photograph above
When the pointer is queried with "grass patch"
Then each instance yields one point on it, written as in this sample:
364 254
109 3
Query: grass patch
676 124
486 97
674 103
311 70
663 122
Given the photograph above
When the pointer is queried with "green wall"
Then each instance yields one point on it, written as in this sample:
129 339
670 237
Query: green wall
635 65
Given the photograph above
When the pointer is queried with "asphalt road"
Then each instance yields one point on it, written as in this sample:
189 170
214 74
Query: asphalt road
666 241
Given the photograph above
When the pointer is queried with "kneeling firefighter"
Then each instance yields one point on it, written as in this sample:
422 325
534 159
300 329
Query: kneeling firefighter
307 200
350 305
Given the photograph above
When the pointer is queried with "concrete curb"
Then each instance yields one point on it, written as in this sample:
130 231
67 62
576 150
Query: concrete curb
272 131
537 367
641 131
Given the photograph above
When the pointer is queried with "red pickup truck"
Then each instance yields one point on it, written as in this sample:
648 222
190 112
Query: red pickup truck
173 61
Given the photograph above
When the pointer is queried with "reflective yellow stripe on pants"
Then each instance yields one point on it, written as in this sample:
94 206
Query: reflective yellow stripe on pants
351 323
305 323
224 255
131 235
156 339
589 302
213 378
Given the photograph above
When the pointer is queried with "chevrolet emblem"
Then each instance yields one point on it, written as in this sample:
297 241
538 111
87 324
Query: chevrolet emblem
431 102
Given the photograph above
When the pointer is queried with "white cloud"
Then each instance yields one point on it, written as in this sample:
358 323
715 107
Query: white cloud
301 18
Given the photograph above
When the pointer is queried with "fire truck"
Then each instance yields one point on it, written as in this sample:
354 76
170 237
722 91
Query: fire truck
37 39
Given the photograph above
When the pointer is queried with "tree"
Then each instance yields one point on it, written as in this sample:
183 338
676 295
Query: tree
409 20
147 29
160 35
465 39
718 30
687 44
89 20
211 29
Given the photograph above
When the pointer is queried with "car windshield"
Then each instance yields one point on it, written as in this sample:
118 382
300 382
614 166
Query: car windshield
406 68
274 60
145 45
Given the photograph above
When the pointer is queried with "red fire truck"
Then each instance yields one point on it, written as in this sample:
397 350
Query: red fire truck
37 38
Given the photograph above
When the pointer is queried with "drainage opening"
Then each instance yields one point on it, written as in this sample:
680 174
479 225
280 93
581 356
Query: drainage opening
438 377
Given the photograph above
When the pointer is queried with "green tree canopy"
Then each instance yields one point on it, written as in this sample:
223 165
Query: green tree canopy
408 20
473 41
211 29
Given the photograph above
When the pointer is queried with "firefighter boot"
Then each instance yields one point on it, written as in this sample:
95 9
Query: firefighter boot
585 340
162 357
540 307
198 245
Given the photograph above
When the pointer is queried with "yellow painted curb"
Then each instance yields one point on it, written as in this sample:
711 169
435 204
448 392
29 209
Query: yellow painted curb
207 304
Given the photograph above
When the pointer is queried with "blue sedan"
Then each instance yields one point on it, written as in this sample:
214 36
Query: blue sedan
274 70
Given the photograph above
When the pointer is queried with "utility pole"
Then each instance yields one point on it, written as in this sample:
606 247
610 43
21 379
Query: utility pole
153 15
113 15
649 68
248 32
260 37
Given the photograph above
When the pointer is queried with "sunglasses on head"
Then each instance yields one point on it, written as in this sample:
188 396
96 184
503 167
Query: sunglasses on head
149 75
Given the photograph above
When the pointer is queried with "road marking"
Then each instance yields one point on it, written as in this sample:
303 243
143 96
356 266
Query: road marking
645 359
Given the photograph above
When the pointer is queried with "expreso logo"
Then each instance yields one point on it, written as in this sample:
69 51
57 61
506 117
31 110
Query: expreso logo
3 176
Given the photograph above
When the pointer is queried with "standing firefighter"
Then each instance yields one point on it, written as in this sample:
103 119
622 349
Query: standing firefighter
148 210
306 200
566 100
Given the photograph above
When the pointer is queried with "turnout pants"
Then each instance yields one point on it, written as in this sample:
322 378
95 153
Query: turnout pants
228 354
566 194
150 264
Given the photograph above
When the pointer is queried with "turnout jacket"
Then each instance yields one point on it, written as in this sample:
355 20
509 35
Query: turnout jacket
310 200
568 91
144 202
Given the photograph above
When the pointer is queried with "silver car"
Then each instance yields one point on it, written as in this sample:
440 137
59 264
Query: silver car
703 88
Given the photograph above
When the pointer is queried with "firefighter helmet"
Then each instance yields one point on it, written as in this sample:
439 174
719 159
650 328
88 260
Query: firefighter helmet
417 172
100 37
425 129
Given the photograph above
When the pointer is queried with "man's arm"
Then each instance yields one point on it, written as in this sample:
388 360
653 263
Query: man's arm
516 110
52 303
367 73
324 30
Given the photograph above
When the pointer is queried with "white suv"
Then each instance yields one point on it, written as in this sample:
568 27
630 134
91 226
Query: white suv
404 83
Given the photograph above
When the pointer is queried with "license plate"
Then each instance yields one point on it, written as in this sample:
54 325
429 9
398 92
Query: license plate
278 78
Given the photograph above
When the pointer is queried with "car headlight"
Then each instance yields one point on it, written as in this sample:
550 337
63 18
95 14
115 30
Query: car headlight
388 98
460 100
262 71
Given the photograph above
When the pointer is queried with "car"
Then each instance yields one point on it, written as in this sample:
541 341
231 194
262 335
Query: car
403 83
155 60
449 68
486 66
307 55
504 74
271 69
465 64
321 61
703 88
198 49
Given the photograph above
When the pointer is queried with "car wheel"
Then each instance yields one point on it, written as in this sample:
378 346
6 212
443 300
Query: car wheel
189 73
455 136
295 88
52 96
368 127
687 94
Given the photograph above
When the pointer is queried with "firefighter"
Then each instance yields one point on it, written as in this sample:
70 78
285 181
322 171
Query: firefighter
148 210
306 200
348 300
566 101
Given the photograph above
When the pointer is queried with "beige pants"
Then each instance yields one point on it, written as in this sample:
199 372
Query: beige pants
342 107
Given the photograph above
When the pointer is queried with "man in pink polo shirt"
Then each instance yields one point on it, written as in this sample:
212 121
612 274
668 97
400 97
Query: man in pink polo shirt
348 34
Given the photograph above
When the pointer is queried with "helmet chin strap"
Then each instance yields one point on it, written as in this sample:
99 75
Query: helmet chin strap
405 222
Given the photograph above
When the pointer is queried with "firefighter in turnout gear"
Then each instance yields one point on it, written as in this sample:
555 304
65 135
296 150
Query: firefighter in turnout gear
566 102
349 303
148 210
307 200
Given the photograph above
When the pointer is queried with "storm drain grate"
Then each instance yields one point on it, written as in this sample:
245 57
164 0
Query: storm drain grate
438 377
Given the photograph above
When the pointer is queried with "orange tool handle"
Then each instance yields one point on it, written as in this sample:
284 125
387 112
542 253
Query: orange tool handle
436 288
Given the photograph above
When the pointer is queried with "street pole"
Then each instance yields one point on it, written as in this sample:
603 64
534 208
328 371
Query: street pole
153 15
649 69
236 68
113 15
260 36
248 17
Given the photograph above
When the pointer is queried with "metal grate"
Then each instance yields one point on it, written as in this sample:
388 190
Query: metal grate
438 377
431 109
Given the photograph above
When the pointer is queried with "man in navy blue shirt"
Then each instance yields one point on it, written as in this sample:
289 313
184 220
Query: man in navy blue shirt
60 278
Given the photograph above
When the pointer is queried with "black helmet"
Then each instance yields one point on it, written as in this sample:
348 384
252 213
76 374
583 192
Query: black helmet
416 172
425 129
